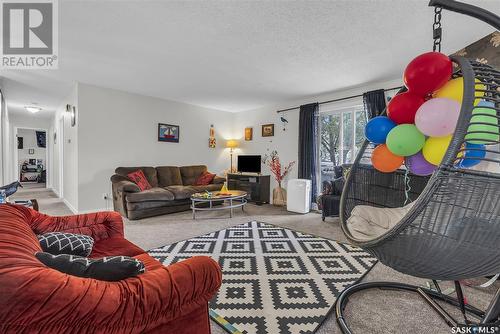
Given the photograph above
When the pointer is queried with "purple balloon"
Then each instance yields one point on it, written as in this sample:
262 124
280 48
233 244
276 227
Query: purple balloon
418 165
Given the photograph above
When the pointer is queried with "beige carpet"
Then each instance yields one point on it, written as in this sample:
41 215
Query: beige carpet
376 311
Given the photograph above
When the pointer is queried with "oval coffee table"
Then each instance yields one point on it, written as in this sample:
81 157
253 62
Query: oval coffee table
231 199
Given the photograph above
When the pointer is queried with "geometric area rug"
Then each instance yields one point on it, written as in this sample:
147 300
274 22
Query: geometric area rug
274 280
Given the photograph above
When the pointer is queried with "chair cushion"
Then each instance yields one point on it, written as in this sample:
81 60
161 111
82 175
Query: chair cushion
149 262
149 172
112 268
369 222
181 192
191 173
204 179
66 243
153 194
115 246
169 176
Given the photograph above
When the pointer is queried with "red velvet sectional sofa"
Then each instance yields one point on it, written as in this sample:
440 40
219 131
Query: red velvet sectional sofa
38 299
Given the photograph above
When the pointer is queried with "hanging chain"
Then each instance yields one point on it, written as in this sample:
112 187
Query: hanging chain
436 29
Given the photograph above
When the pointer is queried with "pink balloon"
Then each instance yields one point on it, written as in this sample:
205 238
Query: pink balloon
437 117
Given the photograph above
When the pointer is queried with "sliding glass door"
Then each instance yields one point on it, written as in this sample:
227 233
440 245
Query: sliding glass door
342 134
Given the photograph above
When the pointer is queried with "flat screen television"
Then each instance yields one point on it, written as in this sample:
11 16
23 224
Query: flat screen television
249 163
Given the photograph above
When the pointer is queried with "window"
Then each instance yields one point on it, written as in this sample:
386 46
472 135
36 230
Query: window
342 134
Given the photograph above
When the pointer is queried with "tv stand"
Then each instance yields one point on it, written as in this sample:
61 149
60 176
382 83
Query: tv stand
255 185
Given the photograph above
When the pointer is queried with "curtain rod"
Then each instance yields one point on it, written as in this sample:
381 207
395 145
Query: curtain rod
340 99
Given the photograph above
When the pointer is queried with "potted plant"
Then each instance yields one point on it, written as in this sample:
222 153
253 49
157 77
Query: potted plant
274 164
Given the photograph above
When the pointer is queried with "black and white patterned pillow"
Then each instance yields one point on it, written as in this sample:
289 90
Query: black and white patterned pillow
110 268
66 243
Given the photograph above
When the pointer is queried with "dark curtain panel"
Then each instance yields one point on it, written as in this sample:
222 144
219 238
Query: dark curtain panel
308 145
374 102
40 138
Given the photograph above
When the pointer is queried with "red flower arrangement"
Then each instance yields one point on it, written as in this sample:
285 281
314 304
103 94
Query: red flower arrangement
274 164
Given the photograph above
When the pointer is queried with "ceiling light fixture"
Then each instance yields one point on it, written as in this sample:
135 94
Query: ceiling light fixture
32 109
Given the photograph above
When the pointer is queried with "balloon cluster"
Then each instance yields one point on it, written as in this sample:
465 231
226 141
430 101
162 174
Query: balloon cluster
420 122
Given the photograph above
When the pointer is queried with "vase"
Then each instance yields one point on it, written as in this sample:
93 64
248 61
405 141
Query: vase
279 196
224 188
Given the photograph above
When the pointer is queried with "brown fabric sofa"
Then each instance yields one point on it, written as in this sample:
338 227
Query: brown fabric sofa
171 192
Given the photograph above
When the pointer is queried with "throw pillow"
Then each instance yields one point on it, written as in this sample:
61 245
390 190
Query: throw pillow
204 179
66 243
139 178
110 268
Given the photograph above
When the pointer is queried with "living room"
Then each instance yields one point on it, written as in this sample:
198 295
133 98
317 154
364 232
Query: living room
220 160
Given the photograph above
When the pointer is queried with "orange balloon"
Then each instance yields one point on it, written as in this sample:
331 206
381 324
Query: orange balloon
384 160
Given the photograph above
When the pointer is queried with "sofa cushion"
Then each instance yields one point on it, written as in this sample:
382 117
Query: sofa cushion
139 179
153 194
204 179
154 204
66 243
115 246
111 268
209 187
169 176
149 172
181 192
191 173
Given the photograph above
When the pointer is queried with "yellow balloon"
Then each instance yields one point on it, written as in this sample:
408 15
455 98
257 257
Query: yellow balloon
435 148
454 89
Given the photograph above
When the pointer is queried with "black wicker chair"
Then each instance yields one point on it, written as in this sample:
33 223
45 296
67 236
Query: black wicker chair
452 232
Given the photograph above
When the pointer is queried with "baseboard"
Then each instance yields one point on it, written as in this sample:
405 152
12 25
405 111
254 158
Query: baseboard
55 192
75 211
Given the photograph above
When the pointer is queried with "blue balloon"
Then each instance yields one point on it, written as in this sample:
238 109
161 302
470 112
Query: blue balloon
472 151
378 128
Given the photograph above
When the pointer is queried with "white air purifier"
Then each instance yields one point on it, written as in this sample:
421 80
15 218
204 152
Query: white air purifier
298 195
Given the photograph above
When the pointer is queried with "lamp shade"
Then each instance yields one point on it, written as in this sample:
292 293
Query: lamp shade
231 143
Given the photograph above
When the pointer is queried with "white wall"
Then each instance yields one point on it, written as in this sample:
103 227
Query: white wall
64 153
30 142
287 142
117 128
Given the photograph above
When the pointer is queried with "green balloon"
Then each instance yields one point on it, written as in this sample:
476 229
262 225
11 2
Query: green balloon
405 140
488 116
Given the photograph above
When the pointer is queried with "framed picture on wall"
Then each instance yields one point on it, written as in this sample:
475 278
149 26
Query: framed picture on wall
168 133
267 130
20 143
248 134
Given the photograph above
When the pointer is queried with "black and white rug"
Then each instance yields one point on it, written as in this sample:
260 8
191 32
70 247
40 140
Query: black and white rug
275 280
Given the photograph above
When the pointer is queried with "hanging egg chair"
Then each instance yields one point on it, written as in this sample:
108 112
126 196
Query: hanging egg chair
452 230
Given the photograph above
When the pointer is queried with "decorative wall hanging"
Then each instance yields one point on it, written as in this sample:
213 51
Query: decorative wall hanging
212 142
268 130
168 133
248 134
41 138
20 142
284 122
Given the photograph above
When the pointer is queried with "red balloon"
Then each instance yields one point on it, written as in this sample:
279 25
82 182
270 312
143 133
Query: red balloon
427 73
403 107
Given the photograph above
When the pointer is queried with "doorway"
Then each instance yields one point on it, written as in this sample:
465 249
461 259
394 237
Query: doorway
31 157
